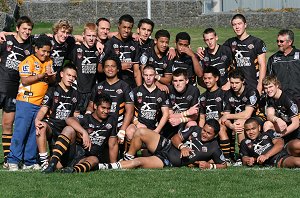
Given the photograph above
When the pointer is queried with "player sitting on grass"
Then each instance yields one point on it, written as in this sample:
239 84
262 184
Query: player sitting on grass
194 145
266 148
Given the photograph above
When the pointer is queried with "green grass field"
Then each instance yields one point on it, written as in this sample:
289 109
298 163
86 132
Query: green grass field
169 182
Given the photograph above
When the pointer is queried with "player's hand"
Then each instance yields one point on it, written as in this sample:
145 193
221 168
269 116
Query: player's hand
128 65
262 158
259 88
250 161
238 127
2 37
87 144
203 165
162 87
185 152
174 121
194 109
187 50
100 47
38 125
121 136
281 124
200 52
223 119
135 36
171 53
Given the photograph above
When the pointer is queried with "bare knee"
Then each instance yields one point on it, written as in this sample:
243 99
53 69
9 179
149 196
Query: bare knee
293 147
130 131
69 132
191 123
267 126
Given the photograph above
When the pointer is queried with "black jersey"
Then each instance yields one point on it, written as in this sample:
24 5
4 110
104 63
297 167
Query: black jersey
185 62
211 104
237 104
127 51
222 60
180 102
60 52
245 53
61 105
147 45
285 108
287 70
148 105
201 151
260 146
99 132
86 61
162 65
120 93
11 54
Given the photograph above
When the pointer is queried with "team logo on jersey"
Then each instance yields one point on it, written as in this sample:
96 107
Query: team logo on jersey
74 100
218 99
206 59
116 49
294 108
56 93
189 98
251 46
143 59
119 91
264 49
223 58
96 53
79 53
165 65
296 56
52 42
99 88
139 97
102 56
131 96
202 99
264 137
244 99
167 102
247 141
132 48
108 126
204 149
9 46
194 134
159 100
45 100
172 97
36 66
231 99
253 99
26 52
277 135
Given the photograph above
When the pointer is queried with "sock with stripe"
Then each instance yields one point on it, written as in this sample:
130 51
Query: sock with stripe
82 167
60 147
6 142
225 147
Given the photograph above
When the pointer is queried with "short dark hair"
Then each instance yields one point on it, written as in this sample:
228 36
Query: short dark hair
212 70
238 16
162 33
69 65
149 67
102 19
24 19
113 58
101 98
287 32
180 72
208 31
213 124
237 73
42 40
127 18
183 36
250 120
147 21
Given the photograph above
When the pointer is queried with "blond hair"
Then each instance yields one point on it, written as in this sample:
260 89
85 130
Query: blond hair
62 24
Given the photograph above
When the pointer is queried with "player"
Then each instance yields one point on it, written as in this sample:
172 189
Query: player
92 130
60 102
193 146
186 59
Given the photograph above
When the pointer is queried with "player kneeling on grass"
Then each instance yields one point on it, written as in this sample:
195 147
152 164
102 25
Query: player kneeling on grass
265 148
194 145
92 130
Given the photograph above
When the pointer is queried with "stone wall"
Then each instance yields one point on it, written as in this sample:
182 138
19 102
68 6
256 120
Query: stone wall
167 13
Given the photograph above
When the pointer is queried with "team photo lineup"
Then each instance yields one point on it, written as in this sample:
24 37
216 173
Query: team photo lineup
126 99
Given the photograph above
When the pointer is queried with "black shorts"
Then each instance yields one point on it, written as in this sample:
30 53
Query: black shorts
162 150
294 135
8 104
84 102
279 158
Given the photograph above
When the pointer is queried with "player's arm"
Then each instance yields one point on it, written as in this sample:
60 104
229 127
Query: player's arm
202 120
166 79
293 126
177 141
163 120
276 120
39 117
129 110
248 161
113 149
196 64
90 107
242 115
207 165
137 74
277 147
261 58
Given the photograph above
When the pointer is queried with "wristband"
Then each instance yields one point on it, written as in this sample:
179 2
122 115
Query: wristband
212 166
275 119
181 120
179 146
121 134
88 112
